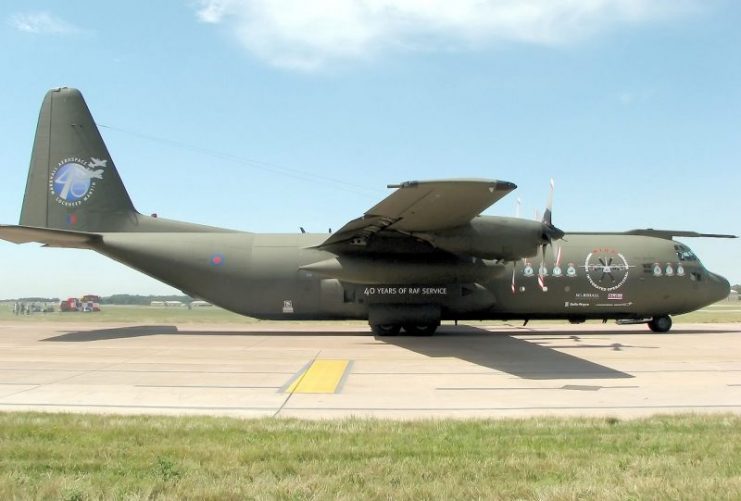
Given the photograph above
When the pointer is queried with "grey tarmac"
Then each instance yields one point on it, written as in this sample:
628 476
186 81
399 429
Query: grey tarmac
306 370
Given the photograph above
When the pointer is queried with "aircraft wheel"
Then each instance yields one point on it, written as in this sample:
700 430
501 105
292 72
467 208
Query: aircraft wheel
385 329
660 324
420 329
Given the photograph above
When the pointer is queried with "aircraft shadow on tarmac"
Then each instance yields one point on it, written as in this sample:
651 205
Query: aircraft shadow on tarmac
114 333
159 330
530 358
527 359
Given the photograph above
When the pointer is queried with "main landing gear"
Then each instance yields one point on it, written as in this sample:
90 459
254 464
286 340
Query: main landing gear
410 329
661 323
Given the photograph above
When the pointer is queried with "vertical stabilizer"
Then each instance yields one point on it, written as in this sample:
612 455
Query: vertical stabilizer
72 182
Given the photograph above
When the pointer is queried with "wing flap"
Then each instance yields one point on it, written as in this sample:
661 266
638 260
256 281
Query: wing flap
49 237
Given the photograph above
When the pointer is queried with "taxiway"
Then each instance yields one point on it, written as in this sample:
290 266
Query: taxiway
305 371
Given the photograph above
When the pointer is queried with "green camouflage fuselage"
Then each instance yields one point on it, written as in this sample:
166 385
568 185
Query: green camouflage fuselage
260 275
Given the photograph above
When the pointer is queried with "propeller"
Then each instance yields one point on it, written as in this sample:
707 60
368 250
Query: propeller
550 233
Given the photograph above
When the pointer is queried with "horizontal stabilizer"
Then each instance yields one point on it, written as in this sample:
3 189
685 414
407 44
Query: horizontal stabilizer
49 237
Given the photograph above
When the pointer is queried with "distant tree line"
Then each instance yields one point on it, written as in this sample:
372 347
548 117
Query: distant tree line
142 300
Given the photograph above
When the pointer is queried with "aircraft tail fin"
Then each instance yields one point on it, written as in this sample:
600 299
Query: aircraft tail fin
72 181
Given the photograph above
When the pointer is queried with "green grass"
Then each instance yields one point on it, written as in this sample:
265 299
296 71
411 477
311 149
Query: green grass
66 456
721 312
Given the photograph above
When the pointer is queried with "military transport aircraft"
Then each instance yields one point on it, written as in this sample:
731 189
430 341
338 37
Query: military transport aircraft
422 255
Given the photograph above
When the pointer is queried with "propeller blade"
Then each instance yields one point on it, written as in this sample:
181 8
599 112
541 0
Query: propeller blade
547 215
514 268
550 232
541 269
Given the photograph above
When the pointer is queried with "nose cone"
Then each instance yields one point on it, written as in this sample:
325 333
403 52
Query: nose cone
720 288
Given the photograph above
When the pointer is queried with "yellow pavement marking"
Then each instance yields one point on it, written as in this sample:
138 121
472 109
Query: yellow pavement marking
322 376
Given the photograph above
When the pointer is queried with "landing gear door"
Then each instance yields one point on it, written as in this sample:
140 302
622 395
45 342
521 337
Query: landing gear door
332 295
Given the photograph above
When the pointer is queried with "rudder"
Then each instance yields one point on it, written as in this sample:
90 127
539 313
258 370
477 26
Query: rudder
73 183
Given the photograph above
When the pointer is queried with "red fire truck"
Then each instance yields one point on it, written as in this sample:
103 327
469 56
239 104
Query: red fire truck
70 304
89 302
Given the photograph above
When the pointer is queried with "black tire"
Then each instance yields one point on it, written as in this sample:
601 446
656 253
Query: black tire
385 329
420 329
660 324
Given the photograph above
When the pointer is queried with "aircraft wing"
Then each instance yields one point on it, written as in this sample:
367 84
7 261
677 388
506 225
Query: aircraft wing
669 234
422 206
49 237
650 232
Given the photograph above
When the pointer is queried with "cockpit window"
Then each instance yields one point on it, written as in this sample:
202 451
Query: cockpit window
684 253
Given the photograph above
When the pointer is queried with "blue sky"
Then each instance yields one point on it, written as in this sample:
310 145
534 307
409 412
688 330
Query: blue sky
270 115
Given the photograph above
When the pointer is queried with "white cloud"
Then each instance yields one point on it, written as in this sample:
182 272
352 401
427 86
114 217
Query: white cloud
311 34
42 23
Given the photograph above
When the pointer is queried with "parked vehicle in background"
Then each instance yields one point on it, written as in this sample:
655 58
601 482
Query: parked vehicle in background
70 304
87 303
90 302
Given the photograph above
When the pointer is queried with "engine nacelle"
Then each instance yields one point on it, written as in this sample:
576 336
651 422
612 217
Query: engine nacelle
491 237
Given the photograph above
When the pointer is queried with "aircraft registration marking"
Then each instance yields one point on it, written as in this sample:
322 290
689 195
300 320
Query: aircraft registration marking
322 376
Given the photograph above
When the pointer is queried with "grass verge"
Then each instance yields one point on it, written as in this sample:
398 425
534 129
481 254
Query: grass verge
74 456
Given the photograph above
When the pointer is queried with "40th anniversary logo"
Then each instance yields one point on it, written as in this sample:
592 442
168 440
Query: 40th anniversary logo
73 180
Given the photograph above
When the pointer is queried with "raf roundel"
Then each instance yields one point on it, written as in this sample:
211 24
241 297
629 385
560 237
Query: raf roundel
217 259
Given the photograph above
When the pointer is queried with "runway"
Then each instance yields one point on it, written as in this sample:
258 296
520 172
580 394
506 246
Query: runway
310 371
